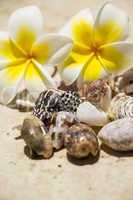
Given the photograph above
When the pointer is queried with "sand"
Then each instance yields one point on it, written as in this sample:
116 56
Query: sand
107 177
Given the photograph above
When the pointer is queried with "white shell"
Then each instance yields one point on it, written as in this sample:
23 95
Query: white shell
118 134
89 114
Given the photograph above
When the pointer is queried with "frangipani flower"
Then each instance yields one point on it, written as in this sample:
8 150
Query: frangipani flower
99 46
26 54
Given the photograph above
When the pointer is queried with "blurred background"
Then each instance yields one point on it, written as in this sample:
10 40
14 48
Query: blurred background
56 12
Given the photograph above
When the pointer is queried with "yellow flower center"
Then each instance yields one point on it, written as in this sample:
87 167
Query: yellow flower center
30 56
95 48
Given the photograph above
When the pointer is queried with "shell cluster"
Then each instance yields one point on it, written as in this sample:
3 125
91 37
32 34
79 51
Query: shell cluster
79 140
67 119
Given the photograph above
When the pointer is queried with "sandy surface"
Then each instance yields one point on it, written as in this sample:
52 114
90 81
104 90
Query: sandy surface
108 177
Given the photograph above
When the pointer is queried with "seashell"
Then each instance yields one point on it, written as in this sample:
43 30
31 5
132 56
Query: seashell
64 119
98 93
52 101
34 134
24 105
118 134
124 83
121 106
47 104
91 115
57 131
80 141
70 101
57 135
23 101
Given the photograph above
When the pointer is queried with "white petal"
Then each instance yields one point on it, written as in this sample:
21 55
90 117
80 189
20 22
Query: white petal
83 15
38 79
8 52
25 25
52 49
70 73
89 114
112 23
10 84
117 57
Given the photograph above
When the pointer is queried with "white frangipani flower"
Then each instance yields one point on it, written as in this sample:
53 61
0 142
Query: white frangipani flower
99 46
26 55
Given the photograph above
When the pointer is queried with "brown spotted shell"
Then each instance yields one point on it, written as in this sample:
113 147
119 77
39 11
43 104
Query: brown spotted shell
34 134
97 92
80 141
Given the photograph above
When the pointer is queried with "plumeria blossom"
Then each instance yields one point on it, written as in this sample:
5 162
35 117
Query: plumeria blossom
100 46
27 55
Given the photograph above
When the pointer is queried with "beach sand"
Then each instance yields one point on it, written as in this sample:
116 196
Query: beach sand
108 177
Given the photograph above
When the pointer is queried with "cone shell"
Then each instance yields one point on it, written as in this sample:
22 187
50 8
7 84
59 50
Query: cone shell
80 141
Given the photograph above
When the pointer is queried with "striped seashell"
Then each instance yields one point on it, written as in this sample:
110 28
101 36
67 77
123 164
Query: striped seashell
121 106
47 104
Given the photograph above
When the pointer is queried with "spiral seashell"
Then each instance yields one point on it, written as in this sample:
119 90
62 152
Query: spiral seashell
34 134
23 101
80 141
121 107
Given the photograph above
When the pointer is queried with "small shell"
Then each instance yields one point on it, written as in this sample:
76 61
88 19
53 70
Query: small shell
23 101
121 106
98 93
34 135
47 104
124 83
80 141
53 101
63 121
118 134
89 114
